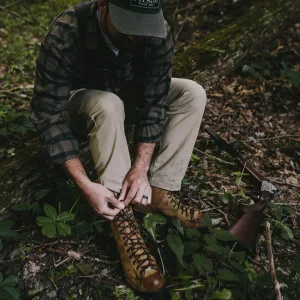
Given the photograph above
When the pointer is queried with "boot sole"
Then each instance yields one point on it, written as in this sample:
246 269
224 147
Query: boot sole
159 294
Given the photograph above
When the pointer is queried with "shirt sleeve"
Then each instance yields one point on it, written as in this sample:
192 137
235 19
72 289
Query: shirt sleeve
155 82
53 81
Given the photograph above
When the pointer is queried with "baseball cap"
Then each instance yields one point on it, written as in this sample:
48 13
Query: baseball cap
138 17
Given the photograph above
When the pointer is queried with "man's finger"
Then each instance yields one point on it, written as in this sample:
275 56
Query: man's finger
149 195
115 202
108 217
123 191
139 195
131 194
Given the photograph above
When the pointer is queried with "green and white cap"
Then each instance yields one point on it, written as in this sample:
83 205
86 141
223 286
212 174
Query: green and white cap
138 17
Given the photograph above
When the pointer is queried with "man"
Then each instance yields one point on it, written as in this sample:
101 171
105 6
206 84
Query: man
99 59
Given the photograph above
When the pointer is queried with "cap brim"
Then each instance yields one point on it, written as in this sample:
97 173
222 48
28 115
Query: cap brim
133 23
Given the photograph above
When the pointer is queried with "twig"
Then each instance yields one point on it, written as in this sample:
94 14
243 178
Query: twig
271 261
13 3
215 158
286 204
62 262
100 275
182 26
218 210
274 137
284 183
16 15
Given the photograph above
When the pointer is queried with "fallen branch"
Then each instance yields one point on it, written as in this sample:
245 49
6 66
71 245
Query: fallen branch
271 262
284 183
215 158
274 137
17 15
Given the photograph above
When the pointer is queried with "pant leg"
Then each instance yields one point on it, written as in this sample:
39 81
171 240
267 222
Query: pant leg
100 115
186 103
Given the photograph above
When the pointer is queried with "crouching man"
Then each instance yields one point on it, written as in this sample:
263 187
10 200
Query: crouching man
100 64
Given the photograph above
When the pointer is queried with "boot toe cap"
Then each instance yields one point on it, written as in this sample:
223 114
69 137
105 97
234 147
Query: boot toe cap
153 282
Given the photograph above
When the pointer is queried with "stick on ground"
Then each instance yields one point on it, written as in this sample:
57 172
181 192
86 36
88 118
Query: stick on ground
271 261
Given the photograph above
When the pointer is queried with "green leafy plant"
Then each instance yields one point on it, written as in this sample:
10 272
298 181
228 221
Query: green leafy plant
291 75
7 288
6 231
54 223
123 293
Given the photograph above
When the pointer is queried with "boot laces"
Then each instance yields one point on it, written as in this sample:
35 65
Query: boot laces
139 252
187 211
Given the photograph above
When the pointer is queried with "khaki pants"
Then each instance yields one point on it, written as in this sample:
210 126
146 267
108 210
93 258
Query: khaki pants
101 116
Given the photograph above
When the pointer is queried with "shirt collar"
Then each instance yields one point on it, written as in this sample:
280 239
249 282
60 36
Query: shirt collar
109 43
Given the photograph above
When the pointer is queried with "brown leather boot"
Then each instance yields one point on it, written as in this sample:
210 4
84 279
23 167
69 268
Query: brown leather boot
140 267
164 202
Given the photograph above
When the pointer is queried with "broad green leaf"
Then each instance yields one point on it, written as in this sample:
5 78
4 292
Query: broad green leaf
226 197
10 281
207 220
202 264
85 269
176 246
50 211
64 229
239 256
178 226
195 157
210 239
6 224
227 275
224 235
1 278
191 247
237 265
1 245
215 249
286 232
49 230
191 287
185 181
42 194
150 222
239 173
222 295
193 234
65 216
42 221
9 293
8 234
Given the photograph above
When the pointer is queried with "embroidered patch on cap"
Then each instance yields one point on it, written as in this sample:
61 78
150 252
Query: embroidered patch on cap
145 3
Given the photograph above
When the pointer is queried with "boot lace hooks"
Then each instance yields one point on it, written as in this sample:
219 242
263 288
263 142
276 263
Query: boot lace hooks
186 210
139 252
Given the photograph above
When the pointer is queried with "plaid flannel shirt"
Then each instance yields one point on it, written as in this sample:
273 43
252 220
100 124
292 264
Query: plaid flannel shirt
65 63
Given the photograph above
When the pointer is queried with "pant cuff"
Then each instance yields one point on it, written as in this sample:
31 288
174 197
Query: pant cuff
172 187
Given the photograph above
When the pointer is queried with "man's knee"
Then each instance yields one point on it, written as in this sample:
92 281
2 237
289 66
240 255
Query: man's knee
104 104
195 95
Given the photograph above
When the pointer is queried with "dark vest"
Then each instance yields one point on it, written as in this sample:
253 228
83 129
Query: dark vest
99 68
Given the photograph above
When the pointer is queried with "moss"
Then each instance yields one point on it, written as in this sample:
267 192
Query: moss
243 35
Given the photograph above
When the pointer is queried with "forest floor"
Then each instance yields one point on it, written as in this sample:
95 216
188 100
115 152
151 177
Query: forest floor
257 108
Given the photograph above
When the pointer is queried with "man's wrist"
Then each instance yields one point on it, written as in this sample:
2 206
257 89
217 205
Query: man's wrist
140 166
76 171
144 155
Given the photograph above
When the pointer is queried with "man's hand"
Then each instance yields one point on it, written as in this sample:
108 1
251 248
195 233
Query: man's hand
136 187
102 200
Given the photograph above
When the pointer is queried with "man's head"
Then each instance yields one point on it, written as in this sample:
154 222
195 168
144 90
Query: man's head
128 22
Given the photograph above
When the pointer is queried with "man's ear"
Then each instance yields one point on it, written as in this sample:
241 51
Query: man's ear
102 5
